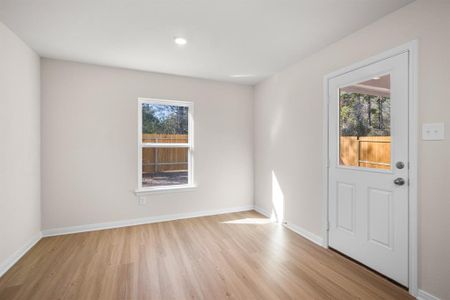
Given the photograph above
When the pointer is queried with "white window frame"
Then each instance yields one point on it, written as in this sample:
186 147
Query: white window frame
190 146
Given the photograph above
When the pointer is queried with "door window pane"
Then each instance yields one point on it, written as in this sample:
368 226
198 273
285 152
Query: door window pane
164 166
365 124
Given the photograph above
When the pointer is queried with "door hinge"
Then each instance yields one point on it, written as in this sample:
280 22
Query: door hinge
328 225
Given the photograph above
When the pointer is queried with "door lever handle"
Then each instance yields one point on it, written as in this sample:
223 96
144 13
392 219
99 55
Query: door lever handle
399 181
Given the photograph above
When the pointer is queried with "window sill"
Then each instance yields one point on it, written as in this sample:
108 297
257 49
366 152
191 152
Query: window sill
165 189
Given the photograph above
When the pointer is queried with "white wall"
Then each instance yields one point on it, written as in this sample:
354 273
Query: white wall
288 129
89 144
20 210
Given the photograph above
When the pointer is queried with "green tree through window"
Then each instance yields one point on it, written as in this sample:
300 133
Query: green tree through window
364 115
164 119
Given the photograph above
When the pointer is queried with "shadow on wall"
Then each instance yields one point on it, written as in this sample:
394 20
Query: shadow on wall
277 214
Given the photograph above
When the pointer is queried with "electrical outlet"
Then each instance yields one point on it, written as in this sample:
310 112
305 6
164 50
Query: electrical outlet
142 201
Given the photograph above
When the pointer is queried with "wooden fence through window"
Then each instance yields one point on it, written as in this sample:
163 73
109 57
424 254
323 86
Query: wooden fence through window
367 151
156 160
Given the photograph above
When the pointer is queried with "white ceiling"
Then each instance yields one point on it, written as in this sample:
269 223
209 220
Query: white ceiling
225 37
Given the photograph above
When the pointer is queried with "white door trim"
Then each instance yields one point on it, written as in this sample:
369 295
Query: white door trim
412 49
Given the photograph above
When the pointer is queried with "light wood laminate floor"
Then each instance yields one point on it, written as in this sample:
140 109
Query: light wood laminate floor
217 257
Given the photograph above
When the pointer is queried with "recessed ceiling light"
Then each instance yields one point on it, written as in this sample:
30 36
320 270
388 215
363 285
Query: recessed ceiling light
376 78
180 41
242 75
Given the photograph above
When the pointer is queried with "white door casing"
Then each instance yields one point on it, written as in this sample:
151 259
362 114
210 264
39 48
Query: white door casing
368 213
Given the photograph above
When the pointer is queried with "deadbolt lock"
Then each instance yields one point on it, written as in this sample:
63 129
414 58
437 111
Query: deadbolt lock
400 165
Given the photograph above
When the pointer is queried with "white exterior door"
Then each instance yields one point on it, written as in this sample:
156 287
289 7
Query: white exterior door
368 166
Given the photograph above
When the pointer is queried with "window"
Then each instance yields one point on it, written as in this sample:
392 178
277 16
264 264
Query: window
165 144
365 124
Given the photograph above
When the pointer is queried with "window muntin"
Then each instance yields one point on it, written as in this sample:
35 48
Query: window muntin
165 144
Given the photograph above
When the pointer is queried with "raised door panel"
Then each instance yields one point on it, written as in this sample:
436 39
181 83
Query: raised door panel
345 213
380 222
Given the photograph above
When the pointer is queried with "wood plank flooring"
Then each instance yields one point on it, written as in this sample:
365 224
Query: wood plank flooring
217 257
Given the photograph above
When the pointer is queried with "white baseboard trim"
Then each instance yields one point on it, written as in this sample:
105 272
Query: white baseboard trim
14 258
140 221
305 233
297 229
262 211
422 295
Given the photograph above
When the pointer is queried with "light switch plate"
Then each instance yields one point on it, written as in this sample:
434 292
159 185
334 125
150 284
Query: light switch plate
433 132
